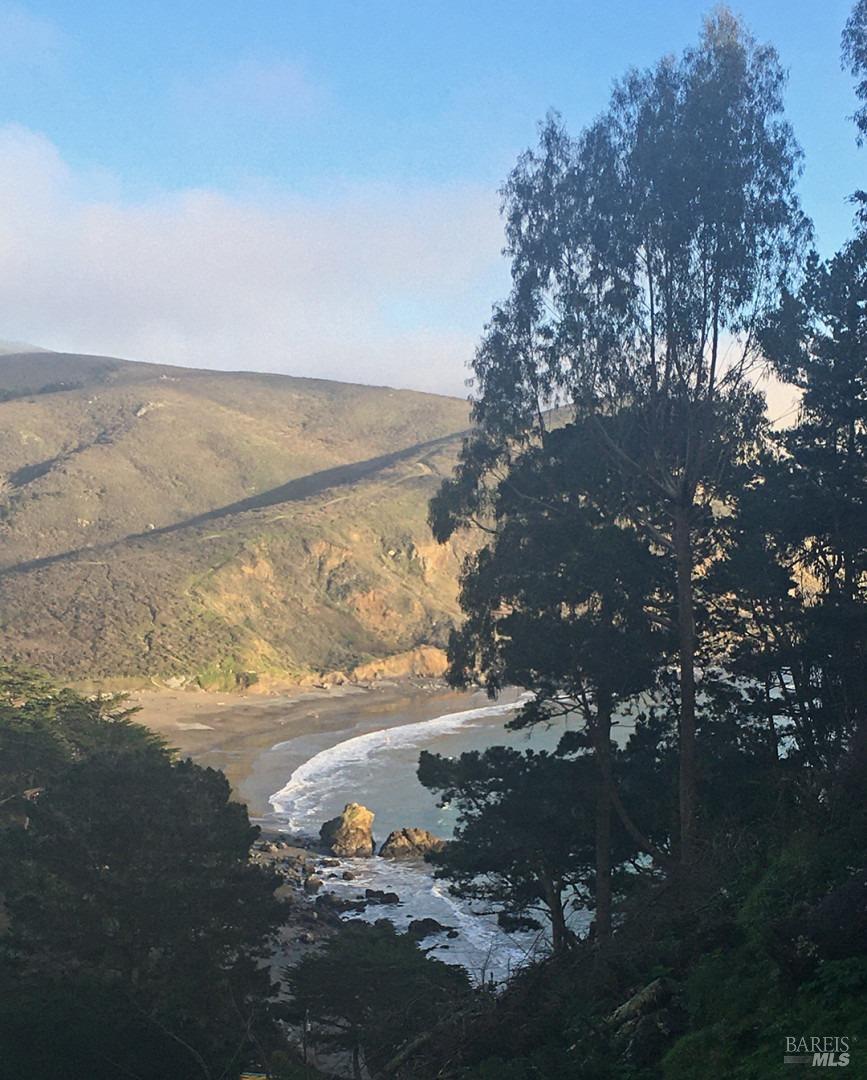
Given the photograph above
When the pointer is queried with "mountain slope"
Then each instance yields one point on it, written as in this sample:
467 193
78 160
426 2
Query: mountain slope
95 449
162 522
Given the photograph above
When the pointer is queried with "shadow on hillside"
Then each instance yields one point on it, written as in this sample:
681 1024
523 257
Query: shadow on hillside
304 487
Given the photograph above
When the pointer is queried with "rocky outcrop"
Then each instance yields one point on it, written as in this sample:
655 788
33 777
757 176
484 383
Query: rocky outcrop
426 661
419 929
377 896
410 843
350 834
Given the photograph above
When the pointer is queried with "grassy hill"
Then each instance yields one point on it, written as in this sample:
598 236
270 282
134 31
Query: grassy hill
163 522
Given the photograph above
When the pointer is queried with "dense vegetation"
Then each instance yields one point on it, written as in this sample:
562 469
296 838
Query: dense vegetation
686 579
133 922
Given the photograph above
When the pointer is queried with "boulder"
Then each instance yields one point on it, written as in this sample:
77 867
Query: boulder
422 928
329 902
348 875
312 884
377 896
350 834
410 843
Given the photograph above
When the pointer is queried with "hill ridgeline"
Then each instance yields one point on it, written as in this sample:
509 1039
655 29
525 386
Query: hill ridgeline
174 525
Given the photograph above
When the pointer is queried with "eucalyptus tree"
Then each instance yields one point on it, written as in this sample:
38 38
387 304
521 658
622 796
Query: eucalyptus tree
644 254
855 59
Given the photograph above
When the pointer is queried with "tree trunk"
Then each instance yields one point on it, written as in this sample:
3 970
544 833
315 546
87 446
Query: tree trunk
356 1063
603 864
554 902
602 748
682 539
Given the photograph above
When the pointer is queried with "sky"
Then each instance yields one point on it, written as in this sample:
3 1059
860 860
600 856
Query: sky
311 186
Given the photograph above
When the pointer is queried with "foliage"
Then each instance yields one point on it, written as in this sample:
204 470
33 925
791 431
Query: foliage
135 921
561 569
370 990
524 839
628 271
855 57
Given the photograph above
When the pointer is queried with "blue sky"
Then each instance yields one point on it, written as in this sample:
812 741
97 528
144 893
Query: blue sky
311 186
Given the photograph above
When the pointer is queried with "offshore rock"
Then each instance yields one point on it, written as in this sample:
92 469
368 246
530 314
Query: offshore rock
419 929
350 834
377 896
410 843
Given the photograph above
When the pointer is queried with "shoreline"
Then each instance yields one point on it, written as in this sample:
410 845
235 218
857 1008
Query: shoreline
235 732
251 738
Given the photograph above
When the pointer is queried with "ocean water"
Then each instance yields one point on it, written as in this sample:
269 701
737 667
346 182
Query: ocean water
378 768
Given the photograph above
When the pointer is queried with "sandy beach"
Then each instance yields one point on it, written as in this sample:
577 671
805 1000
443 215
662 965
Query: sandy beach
233 732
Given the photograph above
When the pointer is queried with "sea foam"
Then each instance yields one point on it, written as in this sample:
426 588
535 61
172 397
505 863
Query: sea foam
299 800
483 948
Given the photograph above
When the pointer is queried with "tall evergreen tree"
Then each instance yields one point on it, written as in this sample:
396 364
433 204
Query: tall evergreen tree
817 488
557 601
643 256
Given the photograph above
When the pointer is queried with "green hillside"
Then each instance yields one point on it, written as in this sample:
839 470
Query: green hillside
164 522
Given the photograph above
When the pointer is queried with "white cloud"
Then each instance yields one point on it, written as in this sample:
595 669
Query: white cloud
373 284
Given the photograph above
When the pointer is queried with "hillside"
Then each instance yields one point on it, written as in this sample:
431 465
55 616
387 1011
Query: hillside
171 523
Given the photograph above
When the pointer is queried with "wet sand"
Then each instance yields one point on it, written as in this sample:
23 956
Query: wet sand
234 732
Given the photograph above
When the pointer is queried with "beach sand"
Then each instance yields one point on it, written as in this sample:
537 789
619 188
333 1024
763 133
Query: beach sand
233 732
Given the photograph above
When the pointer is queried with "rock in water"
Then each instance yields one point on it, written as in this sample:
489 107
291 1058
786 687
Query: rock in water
350 834
377 896
419 929
410 843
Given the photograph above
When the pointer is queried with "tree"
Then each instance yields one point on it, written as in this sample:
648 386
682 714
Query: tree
643 256
43 730
854 48
372 992
808 512
525 835
556 601
136 922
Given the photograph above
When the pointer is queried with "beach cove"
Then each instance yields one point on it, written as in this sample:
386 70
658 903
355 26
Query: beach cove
296 759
